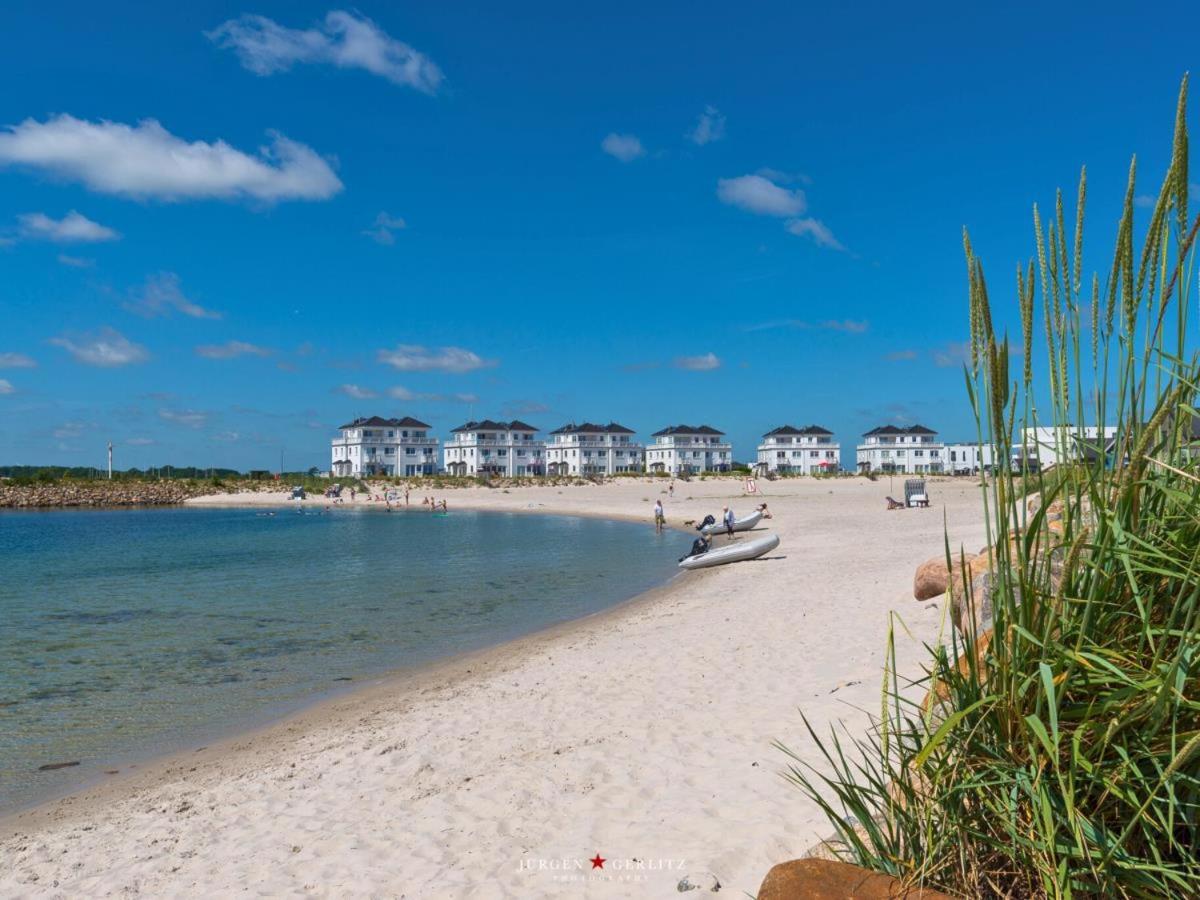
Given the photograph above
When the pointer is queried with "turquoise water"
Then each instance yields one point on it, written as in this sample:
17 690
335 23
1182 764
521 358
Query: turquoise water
129 633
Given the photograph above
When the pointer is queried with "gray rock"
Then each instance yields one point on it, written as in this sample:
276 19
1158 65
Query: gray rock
705 881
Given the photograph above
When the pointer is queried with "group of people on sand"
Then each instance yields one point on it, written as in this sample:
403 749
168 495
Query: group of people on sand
728 518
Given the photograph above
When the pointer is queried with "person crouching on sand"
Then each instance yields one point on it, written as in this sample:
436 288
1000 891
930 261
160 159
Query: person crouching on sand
766 513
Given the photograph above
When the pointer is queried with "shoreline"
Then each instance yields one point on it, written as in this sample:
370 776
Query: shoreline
644 709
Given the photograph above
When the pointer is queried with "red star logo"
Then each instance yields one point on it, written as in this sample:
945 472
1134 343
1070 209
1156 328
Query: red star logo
597 861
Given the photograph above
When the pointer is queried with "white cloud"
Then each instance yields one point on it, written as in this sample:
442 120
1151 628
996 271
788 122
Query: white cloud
384 225
16 361
76 262
761 196
147 161
6 387
625 147
709 127
189 418
69 430
140 442
358 393
344 40
953 353
231 350
226 437
415 358
161 295
815 229
850 326
72 228
402 393
705 363
105 347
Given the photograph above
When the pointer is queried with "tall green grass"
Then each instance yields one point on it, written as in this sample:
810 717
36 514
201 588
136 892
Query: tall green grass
1058 752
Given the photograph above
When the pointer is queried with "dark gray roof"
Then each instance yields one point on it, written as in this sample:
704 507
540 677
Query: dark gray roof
893 429
377 422
688 429
489 425
790 430
592 428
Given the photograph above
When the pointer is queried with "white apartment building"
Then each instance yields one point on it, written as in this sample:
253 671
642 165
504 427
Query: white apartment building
589 449
376 446
969 458
891 449
494 448
687 450
799 451
1052 445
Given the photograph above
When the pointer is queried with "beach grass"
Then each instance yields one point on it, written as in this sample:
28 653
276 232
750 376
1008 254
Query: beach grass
1052 746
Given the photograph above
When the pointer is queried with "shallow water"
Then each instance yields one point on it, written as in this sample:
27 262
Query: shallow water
129 633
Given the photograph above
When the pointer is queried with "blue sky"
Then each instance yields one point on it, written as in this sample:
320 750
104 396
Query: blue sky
654 213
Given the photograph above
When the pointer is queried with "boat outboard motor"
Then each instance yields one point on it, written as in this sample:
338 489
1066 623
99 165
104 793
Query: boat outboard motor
705 522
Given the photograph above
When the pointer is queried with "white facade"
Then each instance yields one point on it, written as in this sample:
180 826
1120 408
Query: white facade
494 448
1076 444
684 449
799 451
968 459
375 446
913 450
589 449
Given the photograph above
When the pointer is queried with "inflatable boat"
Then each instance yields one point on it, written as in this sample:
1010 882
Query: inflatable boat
734 551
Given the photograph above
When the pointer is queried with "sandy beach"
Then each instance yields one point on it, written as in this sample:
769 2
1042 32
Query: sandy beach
641 735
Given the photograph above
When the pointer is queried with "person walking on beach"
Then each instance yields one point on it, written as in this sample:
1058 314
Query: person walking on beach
660 517
352 493
671 489
406 496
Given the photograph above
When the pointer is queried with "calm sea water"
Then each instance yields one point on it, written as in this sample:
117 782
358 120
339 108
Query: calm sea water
124 634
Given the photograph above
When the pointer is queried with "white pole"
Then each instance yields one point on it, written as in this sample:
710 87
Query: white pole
110 460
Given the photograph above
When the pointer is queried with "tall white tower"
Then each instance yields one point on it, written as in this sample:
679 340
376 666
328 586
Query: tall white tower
110 460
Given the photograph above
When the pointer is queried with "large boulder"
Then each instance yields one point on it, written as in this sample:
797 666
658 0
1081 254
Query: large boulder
933 578
823 879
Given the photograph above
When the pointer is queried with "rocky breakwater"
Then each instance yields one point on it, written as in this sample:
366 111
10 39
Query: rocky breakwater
99 493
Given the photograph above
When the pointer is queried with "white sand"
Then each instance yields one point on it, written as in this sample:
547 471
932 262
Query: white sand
639 734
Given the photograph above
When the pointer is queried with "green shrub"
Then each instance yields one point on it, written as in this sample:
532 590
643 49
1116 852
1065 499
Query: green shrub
1058 753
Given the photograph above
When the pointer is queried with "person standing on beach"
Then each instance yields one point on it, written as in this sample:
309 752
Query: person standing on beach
406 496
728 518
660 517
671 489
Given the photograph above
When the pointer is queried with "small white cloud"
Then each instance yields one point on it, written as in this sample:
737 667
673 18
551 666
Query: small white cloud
404 394
231 350
147 161
347 41
415 358
69 430
953 353
189 418
6 387
815 229
761 196
709 127
106 347
705 363
161 295
16 361
625 147
140 441
382 230
226 437
850 326
358 393
76 262
73 228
